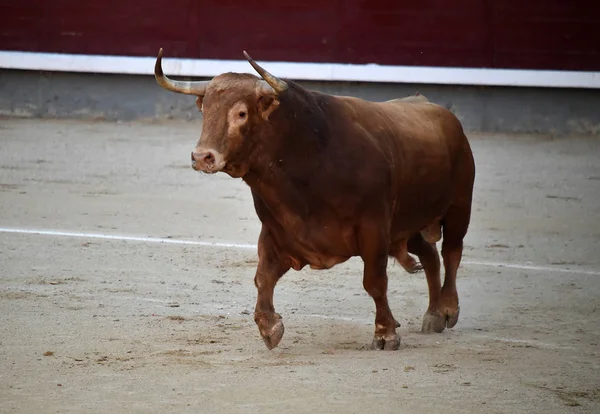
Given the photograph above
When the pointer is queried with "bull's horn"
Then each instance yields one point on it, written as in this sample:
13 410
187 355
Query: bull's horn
190 88
277 84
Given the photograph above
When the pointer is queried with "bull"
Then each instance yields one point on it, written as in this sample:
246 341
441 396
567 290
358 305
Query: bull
334 177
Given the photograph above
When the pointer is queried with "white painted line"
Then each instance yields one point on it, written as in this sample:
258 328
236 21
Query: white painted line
60 233
532 343
337 318
124 238
300 70
532 267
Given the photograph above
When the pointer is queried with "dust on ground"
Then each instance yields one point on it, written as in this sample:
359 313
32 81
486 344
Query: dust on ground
94 325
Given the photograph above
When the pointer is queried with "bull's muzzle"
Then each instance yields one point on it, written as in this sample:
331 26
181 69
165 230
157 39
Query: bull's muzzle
207 161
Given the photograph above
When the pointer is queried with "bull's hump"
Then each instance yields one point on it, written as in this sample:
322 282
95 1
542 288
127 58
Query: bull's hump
410 99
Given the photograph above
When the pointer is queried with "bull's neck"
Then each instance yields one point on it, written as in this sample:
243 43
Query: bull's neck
284 170
282 179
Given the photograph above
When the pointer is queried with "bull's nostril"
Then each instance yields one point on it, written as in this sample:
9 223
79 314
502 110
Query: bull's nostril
204 160
209 158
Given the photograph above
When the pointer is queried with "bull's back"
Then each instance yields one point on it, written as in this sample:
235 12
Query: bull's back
424 144
408 124
414 133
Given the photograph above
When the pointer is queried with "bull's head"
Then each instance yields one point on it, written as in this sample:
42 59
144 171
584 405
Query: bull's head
236 109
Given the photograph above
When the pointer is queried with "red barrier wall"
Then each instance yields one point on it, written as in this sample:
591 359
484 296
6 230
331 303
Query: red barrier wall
531 34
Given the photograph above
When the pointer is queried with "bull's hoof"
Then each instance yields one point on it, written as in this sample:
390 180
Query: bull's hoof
433 322
386 342
271 331
410 265
452 317
417 267
436 321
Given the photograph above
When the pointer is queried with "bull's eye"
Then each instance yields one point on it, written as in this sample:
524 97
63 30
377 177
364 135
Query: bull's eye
242 114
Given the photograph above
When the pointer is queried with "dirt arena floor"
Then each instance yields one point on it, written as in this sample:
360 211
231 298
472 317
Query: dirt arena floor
94 320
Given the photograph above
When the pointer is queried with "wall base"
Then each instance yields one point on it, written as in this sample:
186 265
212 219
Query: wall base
553 111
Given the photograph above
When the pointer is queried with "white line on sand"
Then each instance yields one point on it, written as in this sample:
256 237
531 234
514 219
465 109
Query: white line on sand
124 238
59 233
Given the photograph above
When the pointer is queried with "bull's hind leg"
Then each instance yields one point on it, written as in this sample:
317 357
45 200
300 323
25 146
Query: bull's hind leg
429 257
443 313
443 307
456 223
270 268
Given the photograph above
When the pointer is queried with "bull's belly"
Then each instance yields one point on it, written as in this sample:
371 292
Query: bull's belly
319 250
316 262
317 257
322 243
324 250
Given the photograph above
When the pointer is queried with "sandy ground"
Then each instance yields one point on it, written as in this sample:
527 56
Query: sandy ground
96 325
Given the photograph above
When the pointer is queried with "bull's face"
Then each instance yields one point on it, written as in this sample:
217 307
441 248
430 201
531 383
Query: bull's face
234 113
236 108
224 127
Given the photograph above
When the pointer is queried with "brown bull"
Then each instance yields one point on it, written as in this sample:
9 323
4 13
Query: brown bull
336 177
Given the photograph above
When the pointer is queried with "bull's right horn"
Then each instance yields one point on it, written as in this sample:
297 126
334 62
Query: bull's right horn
274 82
189 88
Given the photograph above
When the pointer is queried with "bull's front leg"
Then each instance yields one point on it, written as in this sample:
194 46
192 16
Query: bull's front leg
270 268
374 252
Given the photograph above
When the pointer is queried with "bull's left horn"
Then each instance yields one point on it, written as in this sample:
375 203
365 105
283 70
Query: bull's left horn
190 88
277 84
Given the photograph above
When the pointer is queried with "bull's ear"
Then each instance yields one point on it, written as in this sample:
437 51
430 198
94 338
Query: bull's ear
266 105
199 103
